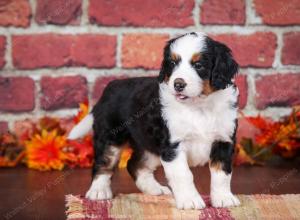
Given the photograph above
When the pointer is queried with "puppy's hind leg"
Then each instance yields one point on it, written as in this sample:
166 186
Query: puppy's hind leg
106 158
141 167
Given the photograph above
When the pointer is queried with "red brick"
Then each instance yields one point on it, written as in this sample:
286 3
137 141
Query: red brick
254 50
16 94
95 51
45 50
58 12
63 92
3 127
2 51
53 50
279 12
100 85
241 82
143 50
15 13
277 90
155 13
223 12
291 48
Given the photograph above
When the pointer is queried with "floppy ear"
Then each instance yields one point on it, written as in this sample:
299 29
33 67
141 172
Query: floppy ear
224 67
165 69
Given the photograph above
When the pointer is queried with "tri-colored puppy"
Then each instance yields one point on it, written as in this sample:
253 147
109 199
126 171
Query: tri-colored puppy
187 116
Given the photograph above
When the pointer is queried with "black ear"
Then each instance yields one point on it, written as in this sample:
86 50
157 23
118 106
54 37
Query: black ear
166 68
224 66
163 71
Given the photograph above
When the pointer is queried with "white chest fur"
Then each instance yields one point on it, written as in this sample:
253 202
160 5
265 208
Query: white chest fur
197 123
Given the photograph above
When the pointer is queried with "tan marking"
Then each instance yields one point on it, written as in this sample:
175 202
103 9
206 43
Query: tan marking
175 57
215 165
196 57
166 79
207 88
110 158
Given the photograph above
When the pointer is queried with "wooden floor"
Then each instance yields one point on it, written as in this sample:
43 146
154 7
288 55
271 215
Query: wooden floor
29 194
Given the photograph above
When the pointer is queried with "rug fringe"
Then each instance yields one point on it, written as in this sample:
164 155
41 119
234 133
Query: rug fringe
74 206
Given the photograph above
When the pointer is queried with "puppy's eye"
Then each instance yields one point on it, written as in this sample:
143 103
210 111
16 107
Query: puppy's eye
173 63
197 65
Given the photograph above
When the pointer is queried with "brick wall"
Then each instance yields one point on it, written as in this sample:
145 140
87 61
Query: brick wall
56 53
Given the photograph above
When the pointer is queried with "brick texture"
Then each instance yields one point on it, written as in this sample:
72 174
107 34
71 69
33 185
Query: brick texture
254 50
155 13
143 50
277 90
63 92
291 48
94 51
223 12
241 82
15 13
16 94
51 50
3 127
2 51
46 50
42 42
58 12
279 12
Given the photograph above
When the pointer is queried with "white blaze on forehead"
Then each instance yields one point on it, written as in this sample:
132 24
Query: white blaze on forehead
188 45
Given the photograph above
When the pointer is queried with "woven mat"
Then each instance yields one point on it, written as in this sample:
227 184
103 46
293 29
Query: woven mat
141 206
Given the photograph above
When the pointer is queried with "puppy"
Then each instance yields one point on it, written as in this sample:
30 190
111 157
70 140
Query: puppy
187 116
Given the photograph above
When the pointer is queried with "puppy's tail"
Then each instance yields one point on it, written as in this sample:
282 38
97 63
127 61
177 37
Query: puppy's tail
82 128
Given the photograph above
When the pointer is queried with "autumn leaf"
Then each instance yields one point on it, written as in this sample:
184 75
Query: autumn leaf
83 111
80 152
125 156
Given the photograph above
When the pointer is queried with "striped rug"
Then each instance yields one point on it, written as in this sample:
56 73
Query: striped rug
140 206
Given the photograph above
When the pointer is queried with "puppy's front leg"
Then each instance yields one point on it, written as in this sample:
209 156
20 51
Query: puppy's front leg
181 181
220 170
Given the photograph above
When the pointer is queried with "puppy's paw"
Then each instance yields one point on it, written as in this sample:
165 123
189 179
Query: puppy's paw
152 187
157 190
224 200
99 193
165 190
189 201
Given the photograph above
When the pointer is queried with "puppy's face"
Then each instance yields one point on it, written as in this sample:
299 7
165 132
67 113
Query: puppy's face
196 65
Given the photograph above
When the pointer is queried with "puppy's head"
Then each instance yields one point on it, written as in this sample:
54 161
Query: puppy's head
196 65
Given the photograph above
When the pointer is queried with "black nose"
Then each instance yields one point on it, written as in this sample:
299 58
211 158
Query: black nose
179 84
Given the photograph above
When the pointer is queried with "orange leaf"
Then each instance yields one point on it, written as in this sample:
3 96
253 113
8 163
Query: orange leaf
83 111
125 156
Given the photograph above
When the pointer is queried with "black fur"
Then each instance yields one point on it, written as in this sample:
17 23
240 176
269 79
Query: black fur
166 68
130 111
224 67
222 152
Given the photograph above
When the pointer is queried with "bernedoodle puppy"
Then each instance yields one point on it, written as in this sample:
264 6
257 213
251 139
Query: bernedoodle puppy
187 116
